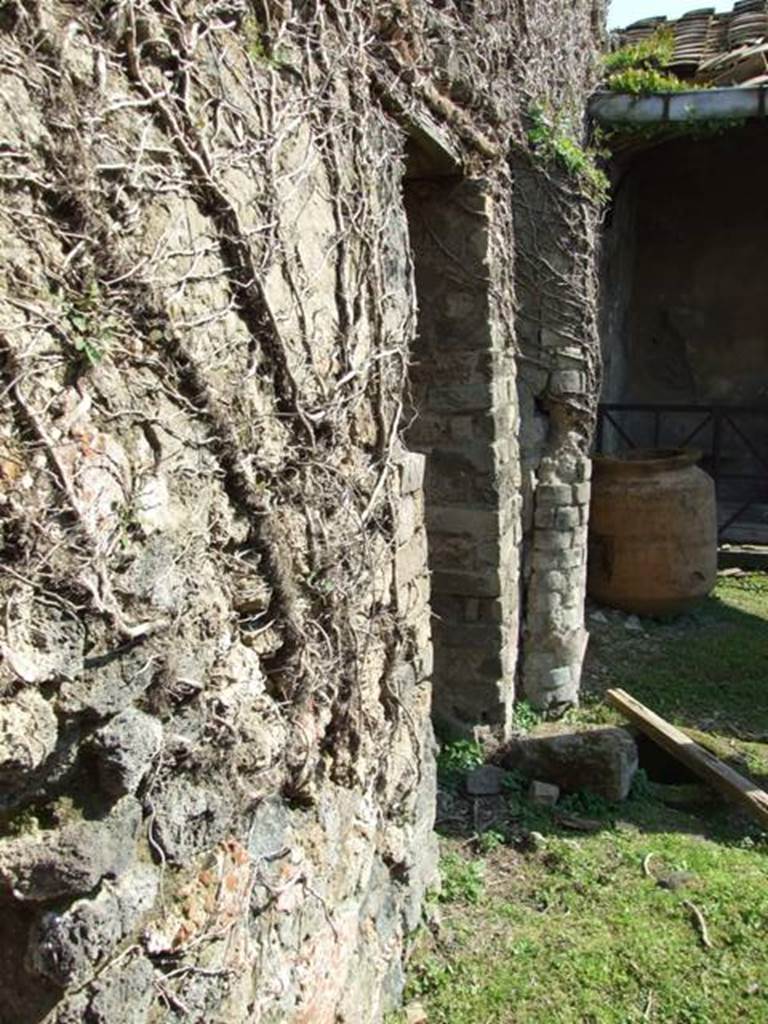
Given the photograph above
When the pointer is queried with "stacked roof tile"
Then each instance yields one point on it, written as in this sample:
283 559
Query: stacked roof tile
716 49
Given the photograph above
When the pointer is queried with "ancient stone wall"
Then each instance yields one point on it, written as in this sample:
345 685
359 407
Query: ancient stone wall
558 386
463 409
216 759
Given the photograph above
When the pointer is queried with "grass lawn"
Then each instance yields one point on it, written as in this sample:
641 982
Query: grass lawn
539 924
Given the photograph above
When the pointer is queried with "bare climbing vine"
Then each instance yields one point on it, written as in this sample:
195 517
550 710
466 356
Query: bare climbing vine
206 314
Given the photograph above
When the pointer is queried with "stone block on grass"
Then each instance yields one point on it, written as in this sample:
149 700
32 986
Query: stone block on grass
601 760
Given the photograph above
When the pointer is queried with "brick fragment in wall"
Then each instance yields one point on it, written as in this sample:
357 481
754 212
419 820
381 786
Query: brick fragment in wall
567 355
557 651
447 607
461 398
579 536
554 494
465 695
567 382
480 523
551 339
470 636
532 378
567 518
545 516
458 551
543 603
491 610
462 428
411 559
555 580
412 467
474 456
570 470
545 680
429 428
567 617
493 554
553 540
466 583
573 596
565 560
413 597
410 515
581 493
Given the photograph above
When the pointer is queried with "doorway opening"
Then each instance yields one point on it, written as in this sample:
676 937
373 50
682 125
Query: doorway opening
455 417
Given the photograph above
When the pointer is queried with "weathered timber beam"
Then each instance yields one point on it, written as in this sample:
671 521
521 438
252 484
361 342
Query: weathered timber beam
710 768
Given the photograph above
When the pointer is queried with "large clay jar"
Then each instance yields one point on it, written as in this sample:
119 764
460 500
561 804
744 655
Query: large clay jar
652 532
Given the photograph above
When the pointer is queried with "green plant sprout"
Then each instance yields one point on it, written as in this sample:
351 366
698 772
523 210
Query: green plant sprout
91 327
552 141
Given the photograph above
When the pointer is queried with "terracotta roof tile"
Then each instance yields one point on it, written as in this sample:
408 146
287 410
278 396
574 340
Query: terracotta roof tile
730 48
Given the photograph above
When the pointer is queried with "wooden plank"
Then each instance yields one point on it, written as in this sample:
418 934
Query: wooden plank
710 768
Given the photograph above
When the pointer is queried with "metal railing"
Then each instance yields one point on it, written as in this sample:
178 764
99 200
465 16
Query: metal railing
725 434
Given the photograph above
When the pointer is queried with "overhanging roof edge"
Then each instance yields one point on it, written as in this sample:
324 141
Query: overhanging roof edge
725 104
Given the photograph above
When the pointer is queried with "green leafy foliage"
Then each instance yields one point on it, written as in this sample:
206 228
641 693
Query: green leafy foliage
463 881
553 140
645 81
524 717
489 841
637 69
655 51
90 325
456 760
590 805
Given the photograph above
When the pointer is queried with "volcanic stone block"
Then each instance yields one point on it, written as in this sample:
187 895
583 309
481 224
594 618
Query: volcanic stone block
485 780
124 750
70 861
65 945
28 731
601 760
543 793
